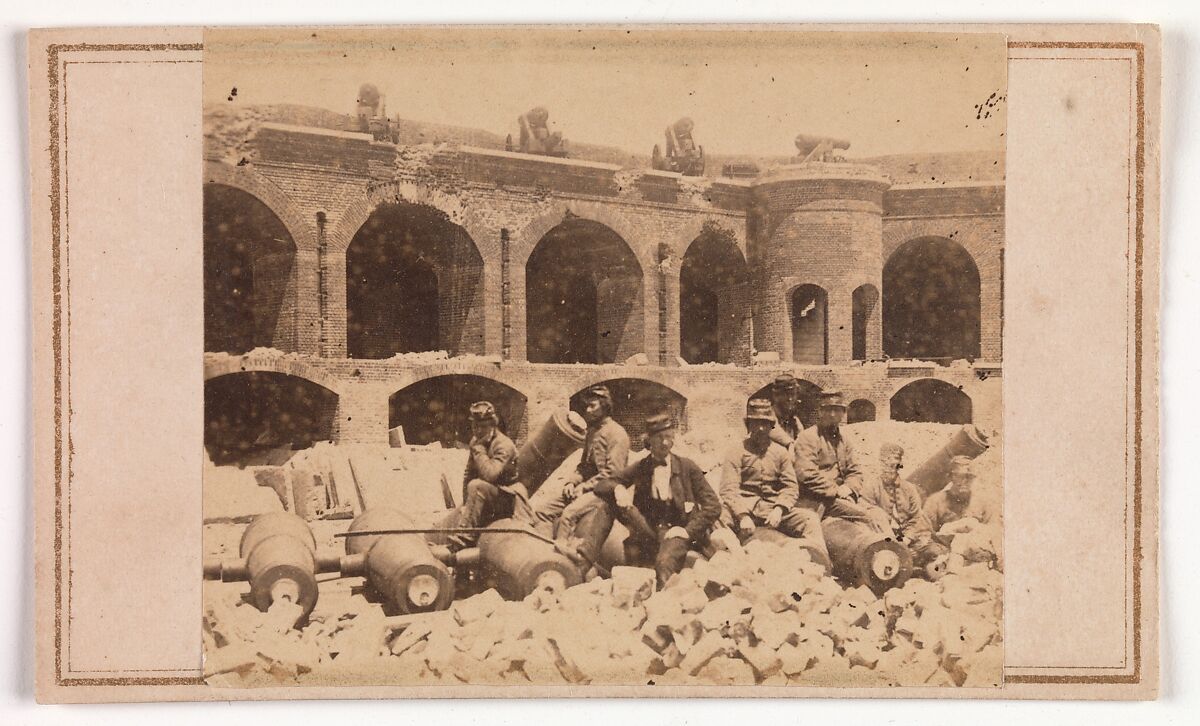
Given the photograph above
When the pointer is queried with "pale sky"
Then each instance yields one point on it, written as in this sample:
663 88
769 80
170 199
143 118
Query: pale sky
749 92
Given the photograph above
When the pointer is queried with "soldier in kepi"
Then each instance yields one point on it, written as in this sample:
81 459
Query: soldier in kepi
956 502
828 469
785 402
759 486
490 487
900 502
605 452
665 502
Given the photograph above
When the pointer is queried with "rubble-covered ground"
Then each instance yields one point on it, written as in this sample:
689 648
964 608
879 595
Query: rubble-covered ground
766 615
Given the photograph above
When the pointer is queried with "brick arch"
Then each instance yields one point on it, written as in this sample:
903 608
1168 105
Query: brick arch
969 327
246 179
952 380
465 368
231 365
823 380
528 237
631 412
435 422
361 209
691 230
934 229
790 334
954 400
663 378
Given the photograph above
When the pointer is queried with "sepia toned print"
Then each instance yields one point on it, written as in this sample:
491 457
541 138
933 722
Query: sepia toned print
539 357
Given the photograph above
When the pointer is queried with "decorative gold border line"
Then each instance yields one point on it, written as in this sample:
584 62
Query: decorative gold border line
53 53
1139 195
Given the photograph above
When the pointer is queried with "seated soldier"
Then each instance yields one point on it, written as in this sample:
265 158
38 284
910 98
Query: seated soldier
758 483
665 502
785 403
827 467
490 487
899 500
605 452
956 502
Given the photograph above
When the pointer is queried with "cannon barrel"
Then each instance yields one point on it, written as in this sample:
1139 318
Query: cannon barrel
815 552
862 556
518 565
545 451
807 143
398 567
277 556
933 474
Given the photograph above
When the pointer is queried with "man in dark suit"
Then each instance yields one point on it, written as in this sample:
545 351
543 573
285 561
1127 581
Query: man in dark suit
665 502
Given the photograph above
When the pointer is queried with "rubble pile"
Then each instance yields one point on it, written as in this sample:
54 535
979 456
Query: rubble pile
763 615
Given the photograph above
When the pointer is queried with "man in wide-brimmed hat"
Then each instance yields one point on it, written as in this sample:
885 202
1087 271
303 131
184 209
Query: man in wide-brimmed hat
490 487
665 502
759 486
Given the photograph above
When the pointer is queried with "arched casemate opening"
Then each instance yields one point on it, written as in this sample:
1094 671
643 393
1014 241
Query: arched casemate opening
860 410
712 299
583 296
810 317
413 284
808 400
435 410
260 417
633 400
931 304
249 274
929 400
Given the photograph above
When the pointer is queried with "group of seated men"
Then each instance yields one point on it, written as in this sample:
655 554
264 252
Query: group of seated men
781 476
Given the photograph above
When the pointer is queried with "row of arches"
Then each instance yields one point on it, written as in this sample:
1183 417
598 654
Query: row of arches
414 283
251 416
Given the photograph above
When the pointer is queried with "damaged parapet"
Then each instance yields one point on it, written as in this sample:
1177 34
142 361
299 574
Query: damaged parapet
683 154
536 137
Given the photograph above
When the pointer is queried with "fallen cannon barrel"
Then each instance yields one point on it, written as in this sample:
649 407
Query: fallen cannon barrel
934 472
815 551
545 451
517 564
399 567
862 556
278 558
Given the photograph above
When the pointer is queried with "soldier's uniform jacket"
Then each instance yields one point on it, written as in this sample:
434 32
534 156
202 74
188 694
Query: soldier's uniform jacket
787 428
605 451
902 504
940 510
825 460
494 461
748 477
693 505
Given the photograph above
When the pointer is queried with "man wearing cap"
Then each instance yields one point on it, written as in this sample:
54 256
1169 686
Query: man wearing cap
830 477
665 502
785 403
758 483
605 452
955 501
899 502
490 487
